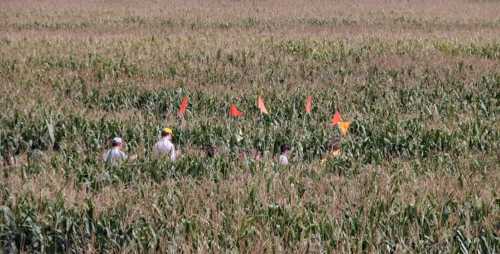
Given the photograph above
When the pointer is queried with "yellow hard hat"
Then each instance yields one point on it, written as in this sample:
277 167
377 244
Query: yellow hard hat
168 131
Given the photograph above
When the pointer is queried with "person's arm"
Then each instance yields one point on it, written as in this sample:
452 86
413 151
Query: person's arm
172 153
105 156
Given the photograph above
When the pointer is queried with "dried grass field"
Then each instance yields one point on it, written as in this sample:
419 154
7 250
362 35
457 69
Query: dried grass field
419 170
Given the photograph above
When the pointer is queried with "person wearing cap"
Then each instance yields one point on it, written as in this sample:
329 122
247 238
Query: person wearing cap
165 147
115 155
210 151
283 158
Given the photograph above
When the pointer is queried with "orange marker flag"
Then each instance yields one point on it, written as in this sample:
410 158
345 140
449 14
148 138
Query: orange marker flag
261 106
234 112
309 104
183 107
336 118
344 127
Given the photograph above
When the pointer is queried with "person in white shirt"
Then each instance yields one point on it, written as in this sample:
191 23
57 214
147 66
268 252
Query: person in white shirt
285 150
115 155
165 147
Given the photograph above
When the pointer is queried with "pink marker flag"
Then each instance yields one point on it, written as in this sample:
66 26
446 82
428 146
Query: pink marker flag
309 104
261 106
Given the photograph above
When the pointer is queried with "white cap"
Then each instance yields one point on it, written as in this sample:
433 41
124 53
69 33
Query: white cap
117 140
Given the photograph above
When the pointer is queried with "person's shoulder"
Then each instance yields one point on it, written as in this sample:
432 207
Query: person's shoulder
167 142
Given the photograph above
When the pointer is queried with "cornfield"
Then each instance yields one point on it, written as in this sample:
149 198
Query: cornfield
419 168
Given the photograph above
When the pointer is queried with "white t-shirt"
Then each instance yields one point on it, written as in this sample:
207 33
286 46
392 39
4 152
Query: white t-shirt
164 147
283 160
114 156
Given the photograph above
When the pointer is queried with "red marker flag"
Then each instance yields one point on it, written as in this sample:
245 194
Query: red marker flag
336 118
309 104
183 107
261 106
234 112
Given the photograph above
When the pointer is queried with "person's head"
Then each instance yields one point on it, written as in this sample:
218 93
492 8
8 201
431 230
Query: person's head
334 144
166 132
285 148
210 151
117 142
